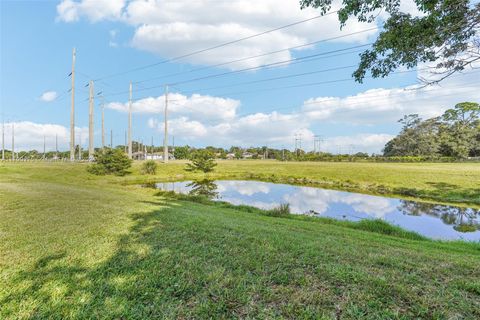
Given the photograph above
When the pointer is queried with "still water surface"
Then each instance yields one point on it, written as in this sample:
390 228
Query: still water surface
431 220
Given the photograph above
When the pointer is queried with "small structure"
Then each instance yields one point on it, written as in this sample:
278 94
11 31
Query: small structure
151 156
230 156
138 155
247 155
154 156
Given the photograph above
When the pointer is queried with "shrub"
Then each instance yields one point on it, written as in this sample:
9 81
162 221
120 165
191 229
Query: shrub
281 211
149 167
202 160
110 161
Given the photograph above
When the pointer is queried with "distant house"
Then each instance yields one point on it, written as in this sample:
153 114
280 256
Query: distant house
151 156
247 155
230 156
154 156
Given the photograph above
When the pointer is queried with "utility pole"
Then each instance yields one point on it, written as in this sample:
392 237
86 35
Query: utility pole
72 112
111 138
44 156
130 123
3 140
56 146
317 143
165 138
103 122
173 147
13 141
152 149
90 123
80 147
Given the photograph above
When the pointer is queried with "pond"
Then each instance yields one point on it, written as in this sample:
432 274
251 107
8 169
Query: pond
431 220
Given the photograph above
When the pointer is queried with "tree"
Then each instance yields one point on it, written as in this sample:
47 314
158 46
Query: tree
201 160
182 152
455 134
461 138
446 33
110 161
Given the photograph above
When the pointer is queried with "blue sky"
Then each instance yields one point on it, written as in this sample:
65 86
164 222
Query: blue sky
116 36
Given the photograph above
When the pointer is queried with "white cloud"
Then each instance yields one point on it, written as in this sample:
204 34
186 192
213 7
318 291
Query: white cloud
201 107
94 10
379 106
48 96
273 129
29 135
171 29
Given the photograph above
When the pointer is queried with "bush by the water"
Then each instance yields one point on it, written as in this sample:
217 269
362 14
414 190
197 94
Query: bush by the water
383 227
110 161
149 167
202 160
281 211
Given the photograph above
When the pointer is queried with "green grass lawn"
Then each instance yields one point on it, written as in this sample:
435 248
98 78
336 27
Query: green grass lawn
77 246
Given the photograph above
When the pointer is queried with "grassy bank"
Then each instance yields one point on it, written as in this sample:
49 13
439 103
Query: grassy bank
76 246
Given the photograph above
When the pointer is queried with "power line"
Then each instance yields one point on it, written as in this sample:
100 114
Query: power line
264 66
279 77
257 56
216 46
321 55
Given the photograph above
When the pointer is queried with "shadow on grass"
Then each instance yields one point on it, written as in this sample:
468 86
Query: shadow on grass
152 274
457 193
445 192
187 266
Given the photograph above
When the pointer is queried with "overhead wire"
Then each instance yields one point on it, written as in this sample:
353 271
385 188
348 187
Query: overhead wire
216 46
308 44
309 58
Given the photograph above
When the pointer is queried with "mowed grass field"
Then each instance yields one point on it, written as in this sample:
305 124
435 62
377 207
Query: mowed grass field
77 246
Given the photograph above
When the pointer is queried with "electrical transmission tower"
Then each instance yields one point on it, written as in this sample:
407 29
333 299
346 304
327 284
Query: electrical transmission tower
351 149
317 141
298 143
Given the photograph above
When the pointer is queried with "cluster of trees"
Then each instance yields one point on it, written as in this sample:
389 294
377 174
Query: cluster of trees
455 134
